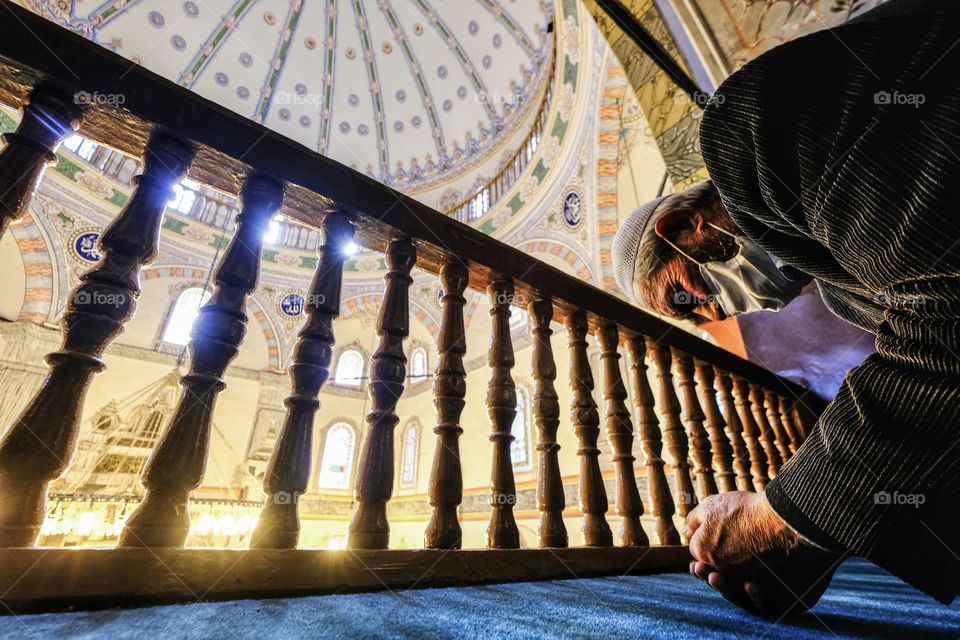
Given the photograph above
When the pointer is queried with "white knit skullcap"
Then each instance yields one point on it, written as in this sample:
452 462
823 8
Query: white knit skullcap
626 245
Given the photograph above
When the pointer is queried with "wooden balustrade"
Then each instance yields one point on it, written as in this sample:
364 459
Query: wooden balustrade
765 431
38 447
700 451
369 528
286 476
502 532
620 435
658 490
176 466
741 455
787 417
546 414
449 389
50 114
234 155
751 434
586 424
673 434
719 444
782 440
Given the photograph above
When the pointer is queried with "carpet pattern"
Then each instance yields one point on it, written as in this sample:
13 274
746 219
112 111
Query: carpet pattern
863 602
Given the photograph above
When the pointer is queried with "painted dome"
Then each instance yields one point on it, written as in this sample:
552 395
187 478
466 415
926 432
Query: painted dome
410 92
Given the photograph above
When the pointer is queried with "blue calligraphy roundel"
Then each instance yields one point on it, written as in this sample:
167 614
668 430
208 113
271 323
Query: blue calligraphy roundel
292 305
85 246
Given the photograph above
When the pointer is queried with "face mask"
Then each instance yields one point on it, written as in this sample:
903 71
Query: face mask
750 281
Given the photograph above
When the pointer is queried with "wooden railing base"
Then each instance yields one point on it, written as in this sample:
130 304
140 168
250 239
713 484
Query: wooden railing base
44 579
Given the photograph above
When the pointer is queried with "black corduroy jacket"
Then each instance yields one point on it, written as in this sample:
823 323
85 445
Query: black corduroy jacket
840 154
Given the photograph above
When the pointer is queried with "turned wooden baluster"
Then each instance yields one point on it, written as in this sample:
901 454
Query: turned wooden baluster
287 473
48 117
674 435
741 455
658 490
586 424
693 418
369 528
449 391
546 414
803 420
620 435
502 532
772 404
766 433
176 466
786 418
38 446
722 451
751 434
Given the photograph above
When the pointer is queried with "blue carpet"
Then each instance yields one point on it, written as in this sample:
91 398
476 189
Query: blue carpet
863 602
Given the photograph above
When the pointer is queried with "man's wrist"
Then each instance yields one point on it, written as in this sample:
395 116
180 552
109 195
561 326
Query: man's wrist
794 519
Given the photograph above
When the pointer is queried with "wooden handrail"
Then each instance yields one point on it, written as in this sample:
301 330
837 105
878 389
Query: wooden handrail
229 147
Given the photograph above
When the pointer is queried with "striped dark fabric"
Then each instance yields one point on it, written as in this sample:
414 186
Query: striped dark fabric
840 153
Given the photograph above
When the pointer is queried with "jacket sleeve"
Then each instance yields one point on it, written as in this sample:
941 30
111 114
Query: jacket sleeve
861 193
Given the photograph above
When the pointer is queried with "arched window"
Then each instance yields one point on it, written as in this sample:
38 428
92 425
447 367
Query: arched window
151 426
184 313
418 364
349 368
520 449
408 456
337 457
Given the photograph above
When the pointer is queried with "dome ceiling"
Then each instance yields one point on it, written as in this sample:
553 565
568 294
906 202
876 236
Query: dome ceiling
411 92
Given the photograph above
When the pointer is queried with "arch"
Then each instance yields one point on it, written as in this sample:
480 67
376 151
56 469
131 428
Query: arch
581 268
608 163
409 455
336 456
183 313
38 268
254 308
350 367
418 364
370 303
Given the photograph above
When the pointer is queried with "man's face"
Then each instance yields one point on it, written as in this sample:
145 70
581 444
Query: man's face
677 289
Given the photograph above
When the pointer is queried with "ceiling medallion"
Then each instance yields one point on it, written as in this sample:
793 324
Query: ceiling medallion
291 305
387 47
309 43
573 209
269 18
85 245
191 9
350 52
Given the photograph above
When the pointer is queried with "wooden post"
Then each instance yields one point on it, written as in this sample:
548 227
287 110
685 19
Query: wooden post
369 528
751 434
502 532
673 433
658 490
693 417
546 411
449 391
787 418
48 116
288 472
38 446
722 451
767 439
586 424
620 435
741 455
176 466
772 404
